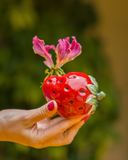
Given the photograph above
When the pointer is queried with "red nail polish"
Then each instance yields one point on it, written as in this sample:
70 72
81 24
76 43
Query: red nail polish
51 106
85 118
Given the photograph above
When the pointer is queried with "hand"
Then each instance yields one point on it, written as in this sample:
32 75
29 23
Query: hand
34 127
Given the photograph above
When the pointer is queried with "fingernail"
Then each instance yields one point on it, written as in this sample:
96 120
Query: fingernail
50 106
85 118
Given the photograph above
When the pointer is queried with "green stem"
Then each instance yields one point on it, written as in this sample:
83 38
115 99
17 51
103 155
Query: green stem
54 71
62 71
57 73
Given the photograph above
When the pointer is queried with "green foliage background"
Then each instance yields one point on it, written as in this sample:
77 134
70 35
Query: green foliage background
21 71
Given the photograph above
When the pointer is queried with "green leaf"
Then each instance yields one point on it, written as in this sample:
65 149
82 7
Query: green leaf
93 108
91 100
94 81
92 88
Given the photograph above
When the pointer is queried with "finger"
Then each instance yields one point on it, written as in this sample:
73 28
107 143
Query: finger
59 128
66 137
86 118
47 123
47 110
56 120
54 115
50 122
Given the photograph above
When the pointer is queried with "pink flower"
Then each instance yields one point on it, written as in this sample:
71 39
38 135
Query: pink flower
40 48
65 51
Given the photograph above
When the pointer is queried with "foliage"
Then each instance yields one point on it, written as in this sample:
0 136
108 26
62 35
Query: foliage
21 71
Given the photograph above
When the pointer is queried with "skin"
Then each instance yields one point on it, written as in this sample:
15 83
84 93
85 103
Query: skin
35 128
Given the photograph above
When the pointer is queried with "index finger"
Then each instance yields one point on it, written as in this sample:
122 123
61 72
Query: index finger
59 128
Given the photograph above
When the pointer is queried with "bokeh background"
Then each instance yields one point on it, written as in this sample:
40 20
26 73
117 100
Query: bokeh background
101 27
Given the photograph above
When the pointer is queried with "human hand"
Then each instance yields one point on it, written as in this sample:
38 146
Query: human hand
34 127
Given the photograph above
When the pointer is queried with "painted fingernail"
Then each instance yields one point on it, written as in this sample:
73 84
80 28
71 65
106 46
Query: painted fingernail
85 118
50 106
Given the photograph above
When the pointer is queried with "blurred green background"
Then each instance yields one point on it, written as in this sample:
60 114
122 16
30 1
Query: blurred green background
21 71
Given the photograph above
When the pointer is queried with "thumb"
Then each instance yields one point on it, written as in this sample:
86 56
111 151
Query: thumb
45 111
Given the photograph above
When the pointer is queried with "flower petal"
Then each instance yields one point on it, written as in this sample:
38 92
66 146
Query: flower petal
67 39
47 47
39 48
47 64
62 51
75 49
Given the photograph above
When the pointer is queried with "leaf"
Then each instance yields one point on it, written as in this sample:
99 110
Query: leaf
93 108
91 100
92 88
94 81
